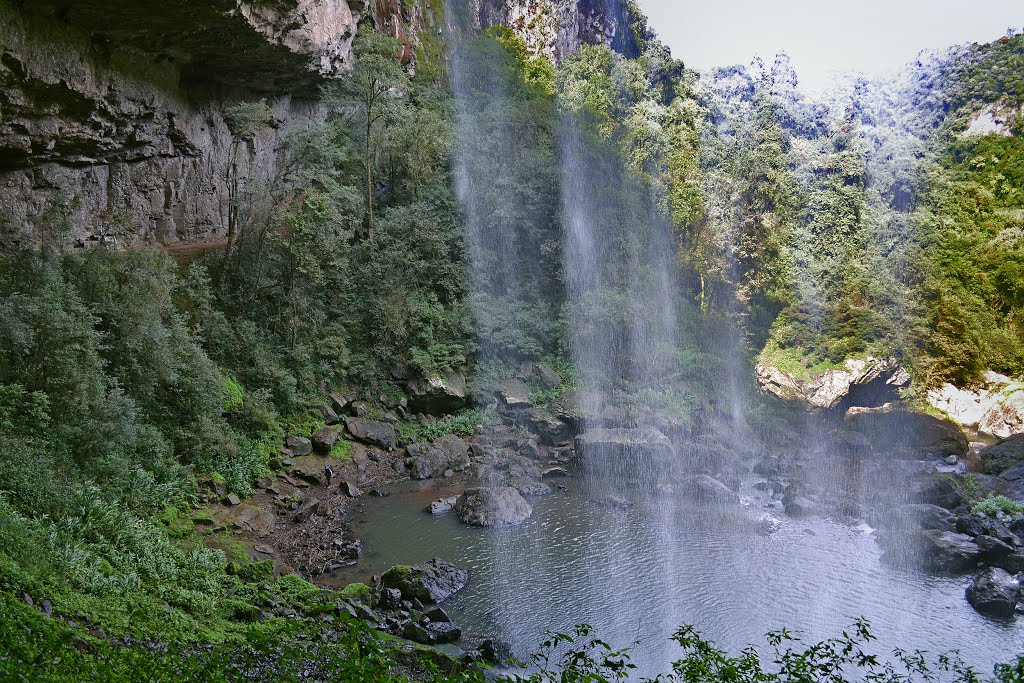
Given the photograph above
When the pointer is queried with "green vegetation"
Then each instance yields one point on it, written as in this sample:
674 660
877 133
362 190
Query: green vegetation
994 506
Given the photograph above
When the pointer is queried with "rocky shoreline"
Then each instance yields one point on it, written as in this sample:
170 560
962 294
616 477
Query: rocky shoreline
914 479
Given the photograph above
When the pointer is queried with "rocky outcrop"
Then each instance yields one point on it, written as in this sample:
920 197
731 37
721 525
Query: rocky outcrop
995 409
113 126
370 432
432 582
557 28
913 434
865 382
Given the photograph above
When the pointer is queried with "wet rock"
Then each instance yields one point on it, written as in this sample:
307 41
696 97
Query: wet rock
554 471
349 489
768 524
513 393
949 551
325 438
442 505
530 487
432 582
1005 455
994 592
916 434
918 516
373 433
644 443
390 598
438 615
800 507
443 632
707 490
492 506
430 460
299 445
438 395
936 490
495 651
546 377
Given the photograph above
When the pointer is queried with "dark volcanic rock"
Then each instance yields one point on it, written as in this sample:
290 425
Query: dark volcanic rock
494 506
994 592
915 434
432 582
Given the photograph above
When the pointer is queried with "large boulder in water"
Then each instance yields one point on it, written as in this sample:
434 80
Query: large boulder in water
438 394
1003 456
428 460
995 592
708 491
432 582
917 516
492 506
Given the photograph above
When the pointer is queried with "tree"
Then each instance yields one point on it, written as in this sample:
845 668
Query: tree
371 93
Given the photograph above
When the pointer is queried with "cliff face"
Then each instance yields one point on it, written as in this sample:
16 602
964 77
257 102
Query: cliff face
112 123
111 111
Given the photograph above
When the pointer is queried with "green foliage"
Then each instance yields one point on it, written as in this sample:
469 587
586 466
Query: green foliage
462 424
994 506
232 393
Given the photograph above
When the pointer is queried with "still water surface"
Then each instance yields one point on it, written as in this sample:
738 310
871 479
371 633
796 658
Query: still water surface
637 575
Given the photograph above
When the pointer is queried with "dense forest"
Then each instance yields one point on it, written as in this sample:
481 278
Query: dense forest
132 382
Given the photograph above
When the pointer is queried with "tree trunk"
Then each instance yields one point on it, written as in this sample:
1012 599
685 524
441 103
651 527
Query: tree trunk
369 177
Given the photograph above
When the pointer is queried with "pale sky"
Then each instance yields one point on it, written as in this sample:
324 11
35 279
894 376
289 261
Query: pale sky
825 36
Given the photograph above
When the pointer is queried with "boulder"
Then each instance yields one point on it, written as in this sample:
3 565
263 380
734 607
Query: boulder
325 438
936 490
800 507
530 487
707 490
339 403
1005 455
1006 417
918 516
949 551
492 506
513 393
349 489
299 445
994 591
432 582
379 434
443 632
546 377
429 460
438 394
551 430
